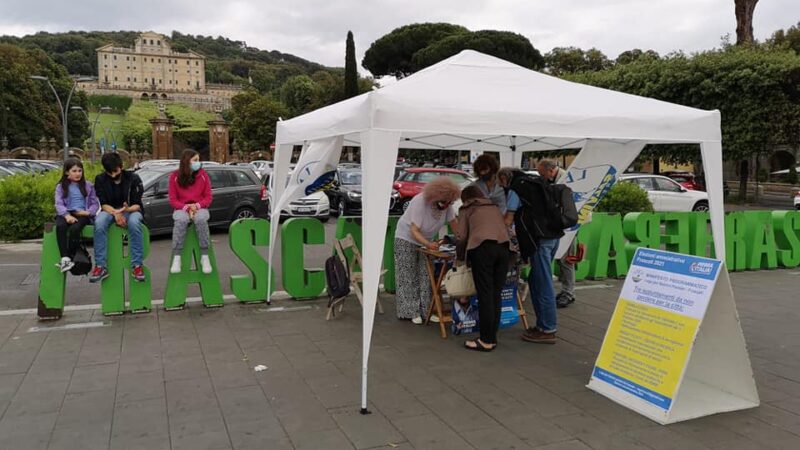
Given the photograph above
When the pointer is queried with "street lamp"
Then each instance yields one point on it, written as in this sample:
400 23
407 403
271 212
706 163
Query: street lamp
63 108
97 119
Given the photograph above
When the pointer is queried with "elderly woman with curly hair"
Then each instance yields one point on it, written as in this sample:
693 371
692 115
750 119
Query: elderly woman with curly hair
427 213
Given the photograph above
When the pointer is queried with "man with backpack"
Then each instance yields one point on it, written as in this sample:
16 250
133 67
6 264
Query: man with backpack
546 210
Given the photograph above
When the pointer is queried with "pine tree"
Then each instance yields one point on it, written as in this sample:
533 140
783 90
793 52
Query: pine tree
350 71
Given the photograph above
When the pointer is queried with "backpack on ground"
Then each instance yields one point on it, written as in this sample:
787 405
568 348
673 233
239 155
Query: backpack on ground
546 210
337 278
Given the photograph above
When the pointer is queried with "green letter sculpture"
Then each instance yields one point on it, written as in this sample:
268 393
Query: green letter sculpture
610 247
112 295
298 281
787 228
762 251
735 247
642 229
177 283
245 236
676 227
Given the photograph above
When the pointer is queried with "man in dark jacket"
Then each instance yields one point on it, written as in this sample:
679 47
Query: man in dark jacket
539 241
120 194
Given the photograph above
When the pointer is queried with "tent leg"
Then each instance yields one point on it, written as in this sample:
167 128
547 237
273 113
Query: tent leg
712 162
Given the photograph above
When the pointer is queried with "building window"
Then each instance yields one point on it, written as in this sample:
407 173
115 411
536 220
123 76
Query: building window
188 83
105 56
169 61
106 78
134 79
145 80
105 65
159 82
115 78
129 78
128 68
197 72
127 58
187 63
170 81
158 42
134 58
151 42
115 57
115 66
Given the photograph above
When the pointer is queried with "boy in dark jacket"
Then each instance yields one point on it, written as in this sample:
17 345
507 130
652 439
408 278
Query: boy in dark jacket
120 194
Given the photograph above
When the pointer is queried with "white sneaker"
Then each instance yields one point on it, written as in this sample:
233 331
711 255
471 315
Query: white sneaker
205 264
417 320
434 318
176 264
65 264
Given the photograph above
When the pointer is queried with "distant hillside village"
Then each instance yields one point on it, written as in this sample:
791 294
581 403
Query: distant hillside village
152 70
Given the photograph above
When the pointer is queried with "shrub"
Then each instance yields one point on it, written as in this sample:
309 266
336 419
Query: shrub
27 202
119 104
623 198
763 175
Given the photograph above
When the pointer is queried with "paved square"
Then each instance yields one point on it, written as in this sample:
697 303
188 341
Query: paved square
185 380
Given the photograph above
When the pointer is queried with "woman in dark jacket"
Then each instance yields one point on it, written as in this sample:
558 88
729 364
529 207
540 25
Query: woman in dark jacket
484 242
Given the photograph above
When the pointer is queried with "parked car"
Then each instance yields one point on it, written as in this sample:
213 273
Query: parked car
238 194
262 167
345 195
685 179
28 165
314 205
412 180
666 194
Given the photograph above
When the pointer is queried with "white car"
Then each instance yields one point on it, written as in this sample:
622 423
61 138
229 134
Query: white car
315 205
262 167
666 194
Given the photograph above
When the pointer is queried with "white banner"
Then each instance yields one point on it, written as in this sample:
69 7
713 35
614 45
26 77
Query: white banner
591 175
315 170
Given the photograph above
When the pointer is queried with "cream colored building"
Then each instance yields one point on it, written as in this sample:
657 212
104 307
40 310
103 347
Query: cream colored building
152 70
151 65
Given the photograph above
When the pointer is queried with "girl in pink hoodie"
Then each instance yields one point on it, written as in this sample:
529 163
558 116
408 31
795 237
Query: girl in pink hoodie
190 197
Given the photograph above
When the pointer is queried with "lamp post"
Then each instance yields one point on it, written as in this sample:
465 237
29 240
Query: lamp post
94 124
62 107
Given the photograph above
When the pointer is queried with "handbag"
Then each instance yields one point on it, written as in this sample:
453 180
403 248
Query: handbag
82 260
458 281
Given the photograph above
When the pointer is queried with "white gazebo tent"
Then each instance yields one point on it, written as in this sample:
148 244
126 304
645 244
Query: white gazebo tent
472 101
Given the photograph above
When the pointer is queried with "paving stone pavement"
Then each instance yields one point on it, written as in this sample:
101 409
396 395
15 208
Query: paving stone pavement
185 380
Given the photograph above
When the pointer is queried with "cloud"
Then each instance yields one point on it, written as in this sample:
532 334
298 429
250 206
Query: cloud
316 29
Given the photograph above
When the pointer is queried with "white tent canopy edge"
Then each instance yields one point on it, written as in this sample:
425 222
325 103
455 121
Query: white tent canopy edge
507 112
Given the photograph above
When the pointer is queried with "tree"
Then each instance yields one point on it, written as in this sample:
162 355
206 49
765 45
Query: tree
506 45
789 38
635 54
350 71
32 111
391 54
298 94
744 21
756 90
253 117
563 60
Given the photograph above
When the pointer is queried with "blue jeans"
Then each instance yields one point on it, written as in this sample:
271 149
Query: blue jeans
101 224
543 296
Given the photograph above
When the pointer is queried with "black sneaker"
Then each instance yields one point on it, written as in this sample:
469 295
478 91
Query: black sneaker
563 300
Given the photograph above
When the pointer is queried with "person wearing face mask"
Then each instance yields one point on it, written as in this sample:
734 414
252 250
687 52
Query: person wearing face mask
120 194
190 197
427 213
486 167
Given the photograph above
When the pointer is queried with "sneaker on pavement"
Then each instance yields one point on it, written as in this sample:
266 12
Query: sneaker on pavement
563 300
539 337
434 318
417 320
98 274
138 274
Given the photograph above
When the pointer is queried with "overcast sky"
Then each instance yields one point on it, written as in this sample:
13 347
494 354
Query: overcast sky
316 29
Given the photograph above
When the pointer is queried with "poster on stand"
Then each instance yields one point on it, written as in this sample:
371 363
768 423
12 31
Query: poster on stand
674 349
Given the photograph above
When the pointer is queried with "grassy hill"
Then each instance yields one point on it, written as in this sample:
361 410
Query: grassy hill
227 61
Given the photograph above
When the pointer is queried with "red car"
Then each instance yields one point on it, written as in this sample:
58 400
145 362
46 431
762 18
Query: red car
412 180
685 179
